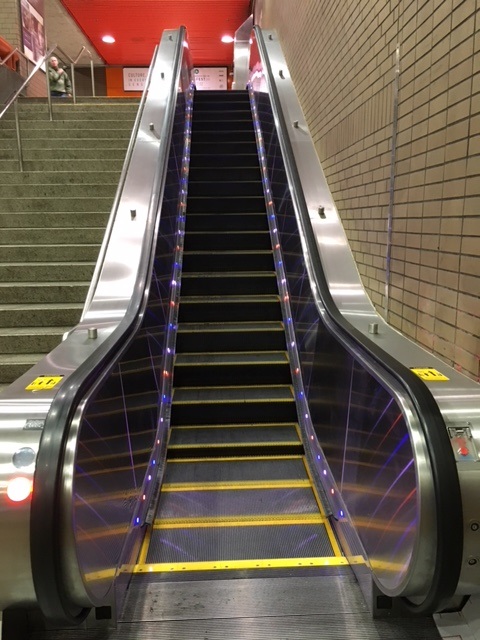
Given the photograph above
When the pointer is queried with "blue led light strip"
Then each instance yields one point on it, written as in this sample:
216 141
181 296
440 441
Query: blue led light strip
315 453
150 494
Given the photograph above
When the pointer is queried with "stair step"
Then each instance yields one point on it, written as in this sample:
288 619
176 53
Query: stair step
223 283
38 144
61 235
66 203
33 292
82 253
231 336
71 165
46 220
71 177
28 340
66 134
14 366
26 192
73 155
60 123
17 272
40 315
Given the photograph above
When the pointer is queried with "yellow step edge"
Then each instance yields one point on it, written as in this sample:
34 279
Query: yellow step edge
235 459
237 445
239 521
328 527
223 565
251 425
237 486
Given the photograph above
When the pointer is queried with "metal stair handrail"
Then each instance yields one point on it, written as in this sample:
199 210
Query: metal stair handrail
14 101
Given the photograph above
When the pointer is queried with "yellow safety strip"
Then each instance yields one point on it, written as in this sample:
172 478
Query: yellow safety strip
142 558
238 486
219 565
234 459
239 521
251 425
330 533
235 445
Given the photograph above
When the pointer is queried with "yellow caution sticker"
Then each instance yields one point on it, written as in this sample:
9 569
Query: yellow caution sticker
429 374
43 383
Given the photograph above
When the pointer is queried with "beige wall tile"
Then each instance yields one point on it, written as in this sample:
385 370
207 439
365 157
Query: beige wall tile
436 214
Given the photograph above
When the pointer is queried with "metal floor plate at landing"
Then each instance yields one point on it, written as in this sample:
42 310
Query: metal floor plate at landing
298 607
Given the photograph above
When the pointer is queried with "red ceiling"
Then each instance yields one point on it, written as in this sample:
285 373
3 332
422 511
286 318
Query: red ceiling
137 26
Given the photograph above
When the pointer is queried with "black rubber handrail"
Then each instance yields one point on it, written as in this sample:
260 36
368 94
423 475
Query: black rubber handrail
53 598
448 501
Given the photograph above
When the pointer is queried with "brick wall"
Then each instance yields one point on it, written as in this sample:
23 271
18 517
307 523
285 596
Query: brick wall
10 22
342 57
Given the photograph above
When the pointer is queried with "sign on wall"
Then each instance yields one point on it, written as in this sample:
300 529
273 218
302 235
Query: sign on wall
210 78
134 78
33 30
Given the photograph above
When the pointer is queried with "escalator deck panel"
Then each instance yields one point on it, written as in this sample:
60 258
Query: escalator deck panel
223 471
229 544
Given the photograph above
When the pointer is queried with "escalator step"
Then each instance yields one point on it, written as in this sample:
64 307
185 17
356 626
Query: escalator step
229 309
224 147
247 134
234 441
218 405
227 222
237 542
228 204
224 115
234 434
222 174
222 125
242 473
237 240
228 160
231 336
203 261
237 503
215 189
242 283
231 369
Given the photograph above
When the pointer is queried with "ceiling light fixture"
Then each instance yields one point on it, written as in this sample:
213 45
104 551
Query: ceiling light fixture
108 39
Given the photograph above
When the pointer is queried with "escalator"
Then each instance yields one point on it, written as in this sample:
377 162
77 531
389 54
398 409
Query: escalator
237 491
206 461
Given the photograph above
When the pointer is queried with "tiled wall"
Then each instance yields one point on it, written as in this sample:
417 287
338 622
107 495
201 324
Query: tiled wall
342 57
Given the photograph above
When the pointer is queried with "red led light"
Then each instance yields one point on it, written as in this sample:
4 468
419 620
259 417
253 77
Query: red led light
19 489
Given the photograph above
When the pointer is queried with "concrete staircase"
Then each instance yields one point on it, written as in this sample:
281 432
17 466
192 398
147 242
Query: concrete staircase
53 218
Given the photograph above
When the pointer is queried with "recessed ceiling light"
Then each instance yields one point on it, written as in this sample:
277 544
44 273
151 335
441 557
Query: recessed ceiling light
227 39
108 39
